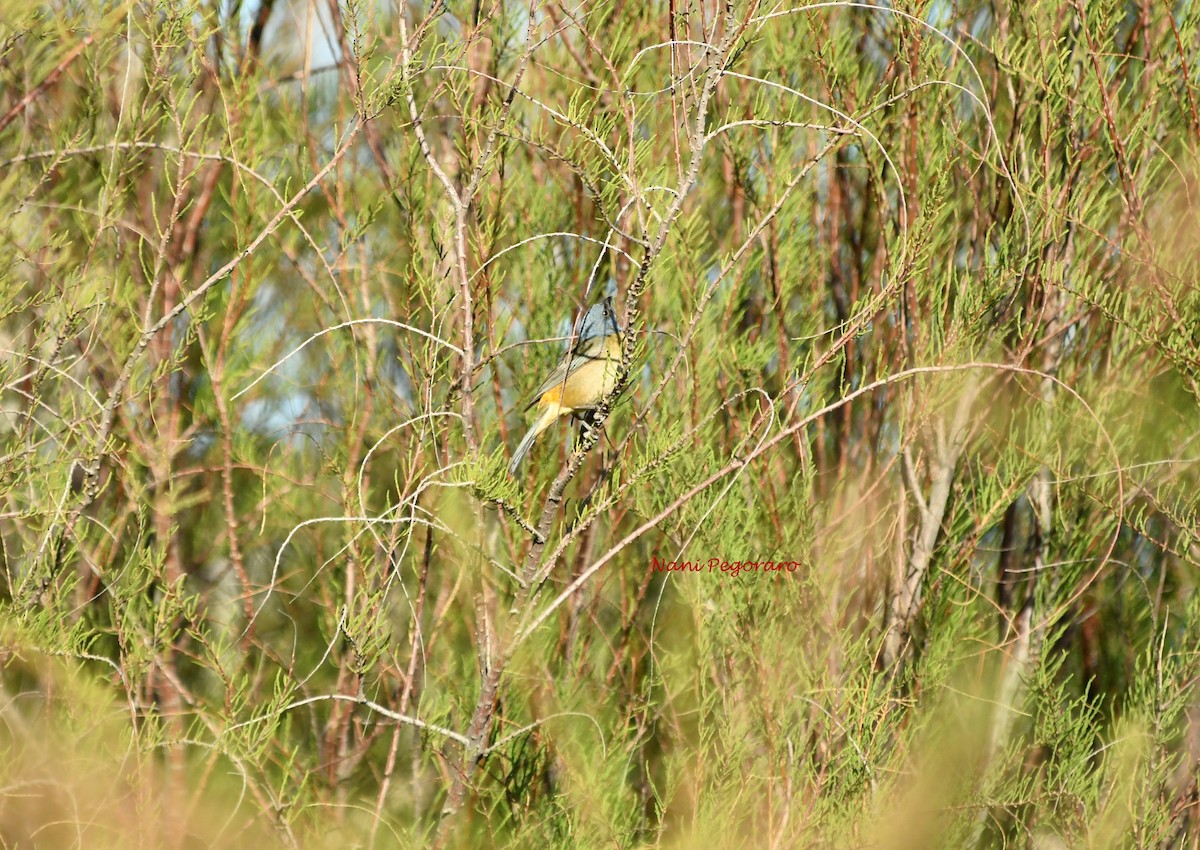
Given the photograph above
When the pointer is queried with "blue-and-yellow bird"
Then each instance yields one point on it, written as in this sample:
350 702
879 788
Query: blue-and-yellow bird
583 378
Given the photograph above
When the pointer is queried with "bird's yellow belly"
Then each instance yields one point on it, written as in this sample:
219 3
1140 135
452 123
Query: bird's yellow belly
583 388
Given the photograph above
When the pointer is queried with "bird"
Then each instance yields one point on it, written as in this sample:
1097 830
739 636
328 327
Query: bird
583 378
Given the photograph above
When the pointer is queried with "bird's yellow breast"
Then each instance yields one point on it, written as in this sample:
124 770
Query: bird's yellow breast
586 385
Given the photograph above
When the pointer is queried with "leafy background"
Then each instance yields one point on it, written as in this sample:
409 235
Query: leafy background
910 298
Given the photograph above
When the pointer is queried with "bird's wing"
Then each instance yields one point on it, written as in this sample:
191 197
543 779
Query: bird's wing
554 379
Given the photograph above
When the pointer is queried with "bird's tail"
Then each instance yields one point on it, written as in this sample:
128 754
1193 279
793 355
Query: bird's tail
542 423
